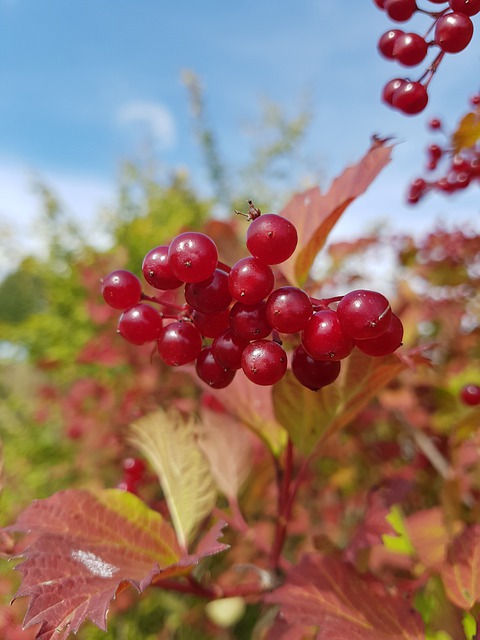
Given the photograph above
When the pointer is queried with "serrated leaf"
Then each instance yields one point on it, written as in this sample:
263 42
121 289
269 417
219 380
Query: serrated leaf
169 443
429 536
467 133
85 546
315 214
330 594
228 448
313 416
461 571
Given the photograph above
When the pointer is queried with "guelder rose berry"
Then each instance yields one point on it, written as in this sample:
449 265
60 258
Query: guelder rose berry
192 256
271 238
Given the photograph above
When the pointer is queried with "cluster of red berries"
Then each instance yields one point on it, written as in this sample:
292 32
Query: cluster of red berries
232 318
459 170
452 29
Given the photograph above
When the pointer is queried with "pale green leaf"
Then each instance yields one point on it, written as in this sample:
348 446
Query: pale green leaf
169 443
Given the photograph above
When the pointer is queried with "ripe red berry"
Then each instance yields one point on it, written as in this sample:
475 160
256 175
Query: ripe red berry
364 314
313 374
324 337
140 324
470 394
468 7
387 41
227 349
264 362
250 280
387 343
390 88
435 123
410 98
211 325
121 289
211 295
271 238
288 309
211 372
192 256
400 10
453 32
250 321
157 271
410 49
179 343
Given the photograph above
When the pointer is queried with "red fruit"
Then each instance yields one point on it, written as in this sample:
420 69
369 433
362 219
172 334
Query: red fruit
264 362
324 338
313 374
250 280
453 32
364 314
470 394
192 256
468 7
410 98
208 370
157 271
410 49
140 324
211 325
400 10
121 289
210 295
179 343
387 42
288 309
227 349
387 343
271 238
390 88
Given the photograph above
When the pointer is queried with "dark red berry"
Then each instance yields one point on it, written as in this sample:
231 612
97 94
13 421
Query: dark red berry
211 325
470 395
211 295
324 337
288 309
250 321
390 88
387 42
250 280
208 370
364 314
467 7
410 98
387 343
313 374
453 32
400 10
192 256
410 49
227 349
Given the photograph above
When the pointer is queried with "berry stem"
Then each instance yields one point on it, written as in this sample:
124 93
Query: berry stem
165 303
252 214
213 592
285 504
322 303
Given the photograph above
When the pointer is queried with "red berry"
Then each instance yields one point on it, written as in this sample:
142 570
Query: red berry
157 271
411 98
210 295
140 324
470 394
121 289
435 123
288 309
387 343
453 32
179 343
271 238
467 7
387 42
250 280
250 321
208 370
313 374
211 325
390 88
134 469
264 362
192 256
400 10
410 49
364 314
324 337
227 349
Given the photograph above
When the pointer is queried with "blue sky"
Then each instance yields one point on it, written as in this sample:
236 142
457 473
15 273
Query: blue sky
84 83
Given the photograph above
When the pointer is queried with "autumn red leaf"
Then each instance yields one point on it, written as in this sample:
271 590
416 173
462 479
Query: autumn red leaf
328 593
461 571
315 214
83 547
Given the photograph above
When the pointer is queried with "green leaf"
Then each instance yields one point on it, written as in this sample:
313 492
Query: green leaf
399 543
169 443
311 417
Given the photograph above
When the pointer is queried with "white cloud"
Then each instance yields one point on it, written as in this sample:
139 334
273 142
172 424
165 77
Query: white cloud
155 117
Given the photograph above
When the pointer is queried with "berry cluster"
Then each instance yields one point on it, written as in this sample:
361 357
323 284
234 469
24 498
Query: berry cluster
459 170
232 318
452 29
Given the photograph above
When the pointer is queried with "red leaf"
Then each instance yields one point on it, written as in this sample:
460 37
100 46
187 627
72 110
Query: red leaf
315 214
342 603
84 546
461 572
